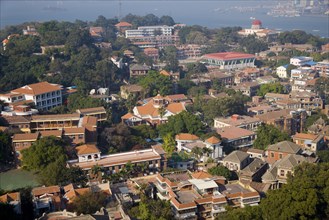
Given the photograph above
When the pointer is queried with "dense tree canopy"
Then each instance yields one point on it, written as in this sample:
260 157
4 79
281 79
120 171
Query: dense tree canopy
183 122
6 152
221 171
155 83
272 88
305 196
89 203
267 135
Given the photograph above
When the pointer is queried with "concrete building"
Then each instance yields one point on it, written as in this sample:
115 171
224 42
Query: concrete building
300 61
240 121
43 94
230 60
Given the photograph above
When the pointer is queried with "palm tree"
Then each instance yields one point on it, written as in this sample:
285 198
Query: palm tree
197 152
207 151
162 112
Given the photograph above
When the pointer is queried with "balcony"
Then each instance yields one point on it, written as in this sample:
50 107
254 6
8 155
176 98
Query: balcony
218 210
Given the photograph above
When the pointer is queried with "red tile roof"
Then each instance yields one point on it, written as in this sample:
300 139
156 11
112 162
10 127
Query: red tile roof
186 136
87 149
123 24
228 56
38 88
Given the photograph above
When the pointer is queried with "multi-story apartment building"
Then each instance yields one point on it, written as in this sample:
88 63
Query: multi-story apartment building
230 60
43 94
288 120
145 31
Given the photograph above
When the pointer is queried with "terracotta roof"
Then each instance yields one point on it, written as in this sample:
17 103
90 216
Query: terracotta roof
80 130
68 187
285 146
180 206
231 133
176 107
213 140
38 191
38 88
73 193
8 197
305 136
56 133
165 73
74 116
123 24
186 136
228 56
15 119
26 137
176 97
89 120
87 149
201 175
128 116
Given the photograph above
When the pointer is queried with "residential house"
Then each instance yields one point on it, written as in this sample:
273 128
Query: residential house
122 26
281 149
97 33
189 51
138 70
30 30
281 71
247 88
254 171
261 109
290 121
300 61
175 76
256 153
234 137
240 121
278 173
273 97
16 122
309 142
13 199
152 52
184 138
133 90
202 196
74 135
155 111
46 199
222 78
23 141
236 161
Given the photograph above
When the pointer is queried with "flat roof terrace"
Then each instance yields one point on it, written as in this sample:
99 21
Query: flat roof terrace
187 196
119 159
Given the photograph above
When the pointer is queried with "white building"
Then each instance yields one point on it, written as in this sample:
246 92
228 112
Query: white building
230 60
151 31
43 94
300 61
281 71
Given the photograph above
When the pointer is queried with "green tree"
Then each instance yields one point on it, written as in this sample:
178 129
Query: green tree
43 152
155 83
6 152
267 135
272 88
323 155
89 203
220 171
7 211
78 101
169 144
183 122
197 152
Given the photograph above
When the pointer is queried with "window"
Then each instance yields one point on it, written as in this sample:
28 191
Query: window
281 172
280 156
80 136
272 154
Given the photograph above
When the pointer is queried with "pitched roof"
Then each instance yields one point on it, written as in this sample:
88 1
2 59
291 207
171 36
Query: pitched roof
186 136
228 56
56 133
176 107
254 166
38 88
14 119
38 191
86 111
213 140
73 193
139 67
236 156
233 132
87 149
80 130
305 136
128 116
123 24
26 137
201 175
290 161
284 146
8 197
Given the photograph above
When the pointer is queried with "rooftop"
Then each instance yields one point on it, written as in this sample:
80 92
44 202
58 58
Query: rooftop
186 136
228 56
87 149
26 137
285 146
38 88
236 156
231 133
237 120
38 191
